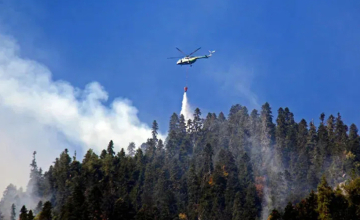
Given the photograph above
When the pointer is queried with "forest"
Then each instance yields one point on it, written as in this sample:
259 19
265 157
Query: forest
243 165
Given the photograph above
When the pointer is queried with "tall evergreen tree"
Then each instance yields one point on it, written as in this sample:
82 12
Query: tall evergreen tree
131 149
289 212
23 213
46 213
110 149
13 212
154 132
324 200
30 215
174 123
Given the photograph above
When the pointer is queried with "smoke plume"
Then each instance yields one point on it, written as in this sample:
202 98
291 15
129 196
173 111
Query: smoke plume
40 114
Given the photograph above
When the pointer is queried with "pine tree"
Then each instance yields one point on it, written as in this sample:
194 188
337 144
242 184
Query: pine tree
238 210
38 208
267 126
323 145
324 200
256 156
182 126
165 198
252 203
34 185
197 122
221 117
103 154
131 149
13 213
123 209
94 200
281 154
208 163
330 126
23 213
174 123
289 212
193 186
46 212
301 161
274 215
155 128
340 135
30 215
110 149
307 209
354 148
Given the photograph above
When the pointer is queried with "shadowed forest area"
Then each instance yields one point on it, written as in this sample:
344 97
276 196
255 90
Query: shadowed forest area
246 165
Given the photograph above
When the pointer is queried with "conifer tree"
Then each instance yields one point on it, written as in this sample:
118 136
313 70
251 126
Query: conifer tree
46 212
30 215
354 148
254 130
38 208
267 126
182 125
281 151
154 132
110 149
103 154
324 200
13 213
289 212
34 185
238 207
197 122
174 123
323 145
123 209
274 215
23 213
208 163
307 209
221 117
340 135
131 149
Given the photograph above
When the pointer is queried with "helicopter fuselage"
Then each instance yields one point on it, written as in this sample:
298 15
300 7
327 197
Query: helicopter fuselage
189 60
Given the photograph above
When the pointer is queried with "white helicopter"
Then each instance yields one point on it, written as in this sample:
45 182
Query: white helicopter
188 59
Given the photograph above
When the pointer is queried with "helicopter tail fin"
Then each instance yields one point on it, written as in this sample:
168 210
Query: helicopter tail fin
211 52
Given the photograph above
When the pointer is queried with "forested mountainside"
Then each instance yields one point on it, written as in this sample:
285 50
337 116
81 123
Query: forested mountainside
240 166
341 202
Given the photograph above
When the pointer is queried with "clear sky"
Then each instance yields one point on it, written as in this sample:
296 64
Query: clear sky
304 55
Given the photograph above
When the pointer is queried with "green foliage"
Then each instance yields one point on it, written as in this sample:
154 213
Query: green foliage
46 212
238 166
23 213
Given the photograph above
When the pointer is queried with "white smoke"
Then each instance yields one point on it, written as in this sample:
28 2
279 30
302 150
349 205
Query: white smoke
47 116
186 109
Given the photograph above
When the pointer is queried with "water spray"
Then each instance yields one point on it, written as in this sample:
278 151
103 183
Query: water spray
185 108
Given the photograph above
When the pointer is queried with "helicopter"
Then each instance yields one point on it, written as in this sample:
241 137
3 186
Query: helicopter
188 59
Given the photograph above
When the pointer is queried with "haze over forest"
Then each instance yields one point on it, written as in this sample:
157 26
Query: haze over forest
242 165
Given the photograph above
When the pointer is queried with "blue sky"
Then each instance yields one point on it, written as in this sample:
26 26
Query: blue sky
298 54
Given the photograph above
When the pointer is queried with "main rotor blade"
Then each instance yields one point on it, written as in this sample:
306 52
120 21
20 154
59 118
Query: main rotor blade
174 57
194 51
181 51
